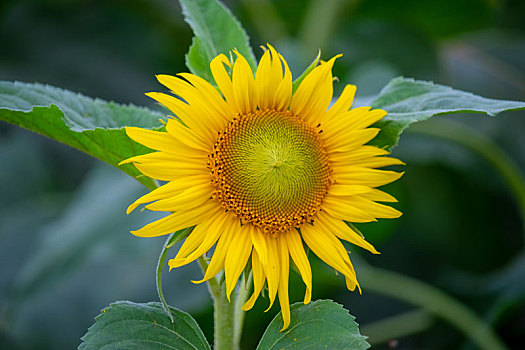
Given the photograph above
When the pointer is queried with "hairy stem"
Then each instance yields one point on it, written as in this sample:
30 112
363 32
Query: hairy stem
242 296
223 314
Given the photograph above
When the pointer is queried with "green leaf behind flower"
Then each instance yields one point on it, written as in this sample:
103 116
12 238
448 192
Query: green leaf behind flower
322 324
216 31
127 325
409 101
93 126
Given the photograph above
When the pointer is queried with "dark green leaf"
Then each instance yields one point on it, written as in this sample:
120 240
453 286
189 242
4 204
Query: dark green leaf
216 31
127 325
91 125
197 62
307 71
322 324
409 101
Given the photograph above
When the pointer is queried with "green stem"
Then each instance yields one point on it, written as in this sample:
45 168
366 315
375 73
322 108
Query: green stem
160 268
432 300
238 313
223 314
173 239
468 137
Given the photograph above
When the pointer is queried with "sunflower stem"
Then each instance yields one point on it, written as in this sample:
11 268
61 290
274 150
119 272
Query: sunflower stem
223 313
238 316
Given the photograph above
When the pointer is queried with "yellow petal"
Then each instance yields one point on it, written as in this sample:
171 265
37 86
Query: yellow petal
364 176
222 78
342 105
263 81
237 258
187 137
189 198
150 157
171 171
195 239
356 119
346 141
347 190
329 249
258 281
339 208
169 190
376 209
198 121
243 85
271 269
295 246
284 300
204 106
259 243
341 230
373 162
213 231
217 261
160 141
177 221
210 94
272 89
283 94
379 196
313 96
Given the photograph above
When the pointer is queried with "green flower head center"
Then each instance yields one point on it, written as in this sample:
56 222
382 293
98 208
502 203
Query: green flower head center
270 168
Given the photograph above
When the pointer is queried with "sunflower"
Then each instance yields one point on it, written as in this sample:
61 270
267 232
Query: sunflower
260 171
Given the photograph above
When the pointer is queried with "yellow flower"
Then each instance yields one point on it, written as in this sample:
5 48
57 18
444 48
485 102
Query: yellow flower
260 171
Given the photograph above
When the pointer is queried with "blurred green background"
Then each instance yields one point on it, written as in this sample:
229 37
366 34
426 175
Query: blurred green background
65 247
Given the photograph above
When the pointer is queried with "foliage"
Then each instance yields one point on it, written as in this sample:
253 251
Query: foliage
322 323
143 326
90 125
446 190
408 101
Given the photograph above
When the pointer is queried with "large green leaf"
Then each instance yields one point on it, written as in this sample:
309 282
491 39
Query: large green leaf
322 324
216 31
127 325
409 101
91 125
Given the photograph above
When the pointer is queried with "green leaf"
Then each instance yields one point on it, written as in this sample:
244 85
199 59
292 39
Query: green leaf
197 62
307 71
322 324
93 126
216 31
127 325
409 101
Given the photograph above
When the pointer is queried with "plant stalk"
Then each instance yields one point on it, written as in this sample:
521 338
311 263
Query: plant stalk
228 316
238 316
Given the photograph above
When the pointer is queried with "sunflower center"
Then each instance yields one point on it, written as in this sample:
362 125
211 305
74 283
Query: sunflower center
270 169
